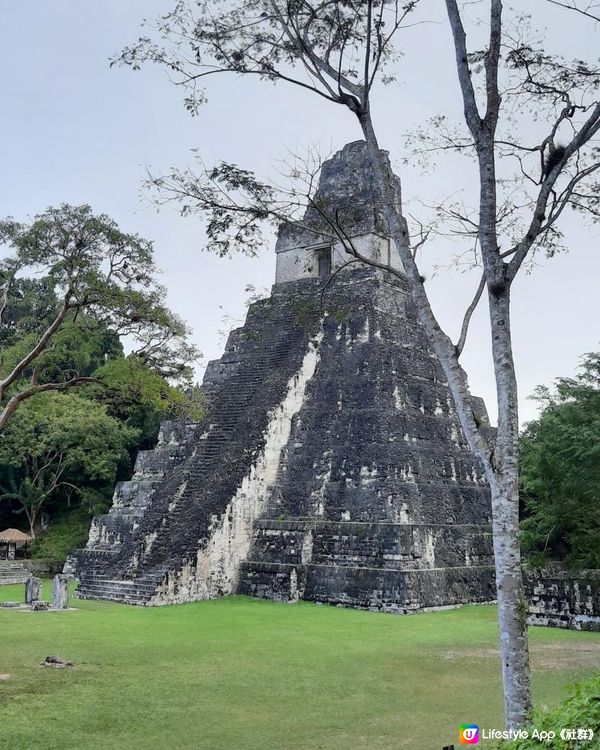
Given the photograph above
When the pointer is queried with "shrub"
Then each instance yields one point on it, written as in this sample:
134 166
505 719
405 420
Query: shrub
580 711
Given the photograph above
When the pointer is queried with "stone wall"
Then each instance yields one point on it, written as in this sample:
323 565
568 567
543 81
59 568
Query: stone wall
561 599
379 503
348 196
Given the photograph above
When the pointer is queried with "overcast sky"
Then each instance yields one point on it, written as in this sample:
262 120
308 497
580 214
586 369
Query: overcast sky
74 130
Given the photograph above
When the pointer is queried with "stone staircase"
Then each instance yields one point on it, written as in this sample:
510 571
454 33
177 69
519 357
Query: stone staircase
133 591
169 509
131 499
12 571
233 440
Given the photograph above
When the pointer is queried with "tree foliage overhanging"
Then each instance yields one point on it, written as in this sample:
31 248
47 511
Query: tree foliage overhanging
91 275
560 471
74 288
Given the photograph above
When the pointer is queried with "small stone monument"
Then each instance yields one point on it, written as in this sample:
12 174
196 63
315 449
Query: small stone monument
33 589
60 592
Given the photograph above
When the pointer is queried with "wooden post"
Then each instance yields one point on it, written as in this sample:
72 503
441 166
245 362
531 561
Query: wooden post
33 589
60 592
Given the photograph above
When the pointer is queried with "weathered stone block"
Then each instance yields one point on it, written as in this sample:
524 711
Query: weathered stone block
564 599
60 592
33 588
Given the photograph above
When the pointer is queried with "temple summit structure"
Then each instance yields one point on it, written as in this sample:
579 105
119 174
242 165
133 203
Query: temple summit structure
331 465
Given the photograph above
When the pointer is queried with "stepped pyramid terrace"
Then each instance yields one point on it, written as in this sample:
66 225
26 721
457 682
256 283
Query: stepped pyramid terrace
331 465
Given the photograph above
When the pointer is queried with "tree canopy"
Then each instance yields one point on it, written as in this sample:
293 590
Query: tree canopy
75 292
560 471
95 281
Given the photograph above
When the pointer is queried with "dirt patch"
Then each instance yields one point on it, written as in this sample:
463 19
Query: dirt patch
5 677
565 655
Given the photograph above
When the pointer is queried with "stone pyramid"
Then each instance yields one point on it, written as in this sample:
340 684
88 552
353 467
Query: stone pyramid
331 465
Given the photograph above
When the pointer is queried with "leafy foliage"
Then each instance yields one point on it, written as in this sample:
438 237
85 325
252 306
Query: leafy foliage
560 471
61 446
31 304
95 281
580 711
62 451
140 397
64 534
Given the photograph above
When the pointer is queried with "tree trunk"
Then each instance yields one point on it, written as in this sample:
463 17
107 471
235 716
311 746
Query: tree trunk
31 517
501 467
512 605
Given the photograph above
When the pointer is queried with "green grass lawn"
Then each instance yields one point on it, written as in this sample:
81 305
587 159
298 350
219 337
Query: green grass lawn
240 674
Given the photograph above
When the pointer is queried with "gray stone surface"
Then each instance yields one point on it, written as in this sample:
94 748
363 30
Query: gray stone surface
348 195
562 599
60 592
33 589
12 571
331 465
40 606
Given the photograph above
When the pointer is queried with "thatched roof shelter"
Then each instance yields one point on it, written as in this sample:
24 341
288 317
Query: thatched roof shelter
14 536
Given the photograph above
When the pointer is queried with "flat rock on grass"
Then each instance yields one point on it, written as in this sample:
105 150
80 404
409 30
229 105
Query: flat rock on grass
5 677
56 662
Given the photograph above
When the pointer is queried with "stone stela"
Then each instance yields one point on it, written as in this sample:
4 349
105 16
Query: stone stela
60 593
331 465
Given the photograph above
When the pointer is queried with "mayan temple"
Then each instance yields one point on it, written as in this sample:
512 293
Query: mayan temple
331 465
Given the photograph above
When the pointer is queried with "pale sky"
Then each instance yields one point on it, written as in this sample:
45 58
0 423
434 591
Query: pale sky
74 130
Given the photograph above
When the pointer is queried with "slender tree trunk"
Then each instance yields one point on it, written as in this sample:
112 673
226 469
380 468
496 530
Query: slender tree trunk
512 604
32 518
501 467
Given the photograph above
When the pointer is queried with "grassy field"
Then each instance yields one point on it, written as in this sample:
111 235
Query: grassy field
240 674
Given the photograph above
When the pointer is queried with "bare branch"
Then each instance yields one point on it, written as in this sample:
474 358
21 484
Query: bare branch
575 8
462 64
468 315
588 130
39 347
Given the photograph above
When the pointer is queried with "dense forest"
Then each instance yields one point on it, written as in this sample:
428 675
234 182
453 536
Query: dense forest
91 389
560 472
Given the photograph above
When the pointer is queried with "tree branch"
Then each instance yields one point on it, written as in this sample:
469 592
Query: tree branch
468 314
16 400
576 9
39 347
462 64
